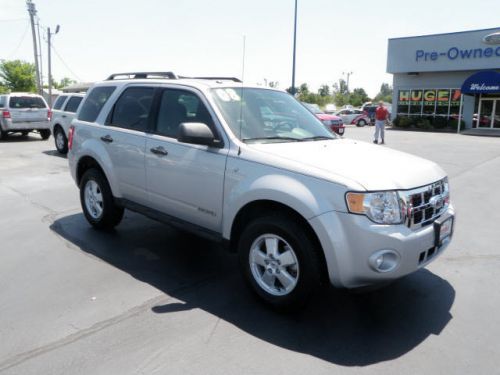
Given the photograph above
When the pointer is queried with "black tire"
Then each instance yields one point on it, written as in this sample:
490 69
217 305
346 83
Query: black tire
307 274
361 123
3 135
111 214
44 133
24 133
62 143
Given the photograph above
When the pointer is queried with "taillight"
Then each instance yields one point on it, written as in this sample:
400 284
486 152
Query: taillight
70 137
49 115
5 114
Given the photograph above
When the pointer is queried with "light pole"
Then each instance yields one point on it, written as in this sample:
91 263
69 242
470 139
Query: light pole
49 34
294 49
32 12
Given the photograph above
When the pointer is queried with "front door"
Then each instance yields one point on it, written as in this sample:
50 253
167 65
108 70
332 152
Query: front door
489 113
184 180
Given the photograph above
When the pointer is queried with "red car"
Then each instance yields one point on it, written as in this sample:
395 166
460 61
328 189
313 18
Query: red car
332 122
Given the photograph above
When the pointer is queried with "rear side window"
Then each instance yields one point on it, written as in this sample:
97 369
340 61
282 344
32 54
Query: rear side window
132 109
2 101
94 103
59 102
73 104
22 102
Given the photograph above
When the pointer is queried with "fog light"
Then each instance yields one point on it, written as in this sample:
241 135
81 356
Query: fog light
384 260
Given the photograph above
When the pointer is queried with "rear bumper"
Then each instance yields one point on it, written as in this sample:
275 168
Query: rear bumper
8 125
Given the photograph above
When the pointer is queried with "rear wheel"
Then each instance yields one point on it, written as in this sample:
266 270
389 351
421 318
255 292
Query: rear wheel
3 134
97 201
44 133
60 140
361 123
24 133
279 261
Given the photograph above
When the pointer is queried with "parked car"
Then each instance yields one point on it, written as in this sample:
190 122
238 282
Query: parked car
63 113
24 113
332 122
299 204
330 108
370 108
354 116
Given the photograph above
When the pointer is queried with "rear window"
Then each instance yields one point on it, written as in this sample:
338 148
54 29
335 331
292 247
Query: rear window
60 101
20 102
73 104
94 103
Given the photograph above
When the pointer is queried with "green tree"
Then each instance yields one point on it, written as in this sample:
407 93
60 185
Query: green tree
18 75
385 93
358 97
63 83
324 90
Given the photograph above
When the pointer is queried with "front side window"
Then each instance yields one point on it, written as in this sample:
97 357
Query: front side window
178 106
263 116
94 103
73 104
24 102
131 111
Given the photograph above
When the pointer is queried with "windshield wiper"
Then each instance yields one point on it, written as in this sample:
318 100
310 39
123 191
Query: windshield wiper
275 138
318 138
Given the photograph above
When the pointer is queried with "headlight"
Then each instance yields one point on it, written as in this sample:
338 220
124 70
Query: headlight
326 122
381 207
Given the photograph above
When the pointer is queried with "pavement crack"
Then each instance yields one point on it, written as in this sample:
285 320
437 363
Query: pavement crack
27 198
97 327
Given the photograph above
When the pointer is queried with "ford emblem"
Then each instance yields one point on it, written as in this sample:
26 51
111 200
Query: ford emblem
493 38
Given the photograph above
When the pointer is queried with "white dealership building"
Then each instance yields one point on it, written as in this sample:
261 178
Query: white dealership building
449 76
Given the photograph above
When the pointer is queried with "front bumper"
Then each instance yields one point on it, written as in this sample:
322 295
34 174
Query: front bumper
350 240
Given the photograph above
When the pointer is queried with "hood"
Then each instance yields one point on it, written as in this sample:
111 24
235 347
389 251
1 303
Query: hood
325 116
374 167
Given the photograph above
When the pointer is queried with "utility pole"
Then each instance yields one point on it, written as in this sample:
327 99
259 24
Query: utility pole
32 12
294 49
347 82
49 54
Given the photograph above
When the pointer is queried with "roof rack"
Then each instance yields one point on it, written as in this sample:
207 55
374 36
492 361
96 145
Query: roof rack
217 78
142 75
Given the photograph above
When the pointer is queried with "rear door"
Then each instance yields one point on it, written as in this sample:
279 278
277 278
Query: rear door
124 137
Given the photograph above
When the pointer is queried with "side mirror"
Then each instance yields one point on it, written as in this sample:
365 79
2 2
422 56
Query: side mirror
197 133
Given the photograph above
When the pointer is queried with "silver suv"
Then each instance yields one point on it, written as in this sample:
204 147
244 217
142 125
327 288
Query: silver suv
63 113
24 113
252 168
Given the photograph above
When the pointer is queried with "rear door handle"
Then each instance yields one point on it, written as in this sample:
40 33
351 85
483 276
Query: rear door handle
159 151
63 116
107 138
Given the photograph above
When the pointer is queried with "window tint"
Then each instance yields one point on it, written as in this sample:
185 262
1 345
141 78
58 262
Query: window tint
131 111
94 103
26 102
73 104
59 102
178 106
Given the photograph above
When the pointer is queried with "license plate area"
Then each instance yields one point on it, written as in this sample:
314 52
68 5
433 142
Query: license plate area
443 230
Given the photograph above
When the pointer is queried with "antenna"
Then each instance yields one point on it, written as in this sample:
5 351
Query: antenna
242 80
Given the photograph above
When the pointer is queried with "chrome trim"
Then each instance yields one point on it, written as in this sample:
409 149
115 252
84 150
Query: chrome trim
423 205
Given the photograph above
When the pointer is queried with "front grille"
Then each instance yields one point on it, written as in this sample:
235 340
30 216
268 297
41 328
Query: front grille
426 204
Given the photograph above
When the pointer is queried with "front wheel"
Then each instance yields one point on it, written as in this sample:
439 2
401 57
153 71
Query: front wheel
97 201
279 261
44 133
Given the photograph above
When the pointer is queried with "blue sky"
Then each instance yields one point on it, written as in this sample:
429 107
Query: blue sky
195 37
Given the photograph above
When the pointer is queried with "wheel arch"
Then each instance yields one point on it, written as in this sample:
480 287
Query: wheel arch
87 162
263 207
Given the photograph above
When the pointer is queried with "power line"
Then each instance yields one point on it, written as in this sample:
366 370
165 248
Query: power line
20 42
14 20
64 63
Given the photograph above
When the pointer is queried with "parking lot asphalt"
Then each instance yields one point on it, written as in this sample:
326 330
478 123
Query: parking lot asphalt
148 299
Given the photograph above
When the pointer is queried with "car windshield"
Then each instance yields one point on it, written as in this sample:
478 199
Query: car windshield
264 116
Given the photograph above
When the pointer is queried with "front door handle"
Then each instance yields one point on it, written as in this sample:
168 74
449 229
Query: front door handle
107 138
159 151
